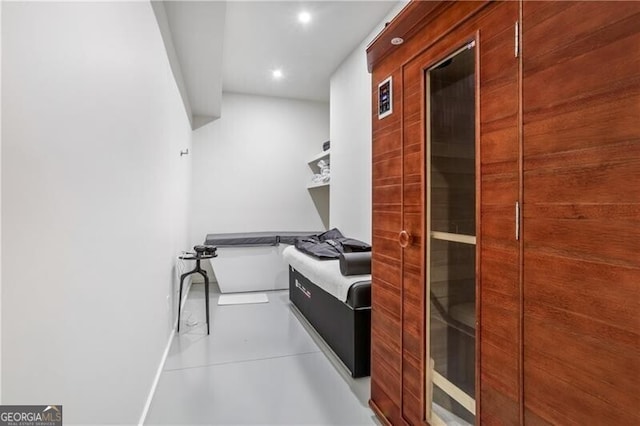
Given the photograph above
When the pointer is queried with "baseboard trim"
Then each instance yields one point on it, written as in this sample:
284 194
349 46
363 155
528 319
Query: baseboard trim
163 360
156 379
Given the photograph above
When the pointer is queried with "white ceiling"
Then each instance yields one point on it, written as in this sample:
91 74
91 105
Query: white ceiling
234 46
262 36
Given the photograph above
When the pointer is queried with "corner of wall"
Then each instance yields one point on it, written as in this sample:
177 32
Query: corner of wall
350 118
0 204
160 13
252 128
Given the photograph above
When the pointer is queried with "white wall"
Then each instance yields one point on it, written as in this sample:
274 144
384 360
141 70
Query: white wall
250 167
0 204
94 205
350 114
165 30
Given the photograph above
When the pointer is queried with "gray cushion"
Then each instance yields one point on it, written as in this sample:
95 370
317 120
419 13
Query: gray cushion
356 263
253 239
242 239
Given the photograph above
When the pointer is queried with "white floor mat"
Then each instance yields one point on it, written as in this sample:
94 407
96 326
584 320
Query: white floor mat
242 298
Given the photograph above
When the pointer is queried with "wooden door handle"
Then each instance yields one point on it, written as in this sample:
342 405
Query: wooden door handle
404 238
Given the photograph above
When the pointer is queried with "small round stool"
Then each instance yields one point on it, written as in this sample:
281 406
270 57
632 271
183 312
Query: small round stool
201 253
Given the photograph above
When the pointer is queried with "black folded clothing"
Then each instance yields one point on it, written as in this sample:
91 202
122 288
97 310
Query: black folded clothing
358 263
329 245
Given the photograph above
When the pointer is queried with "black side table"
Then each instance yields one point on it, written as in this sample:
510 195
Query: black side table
197 256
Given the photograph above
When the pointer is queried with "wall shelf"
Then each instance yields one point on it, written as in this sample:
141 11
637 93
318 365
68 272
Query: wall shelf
320 196
318 185
321 156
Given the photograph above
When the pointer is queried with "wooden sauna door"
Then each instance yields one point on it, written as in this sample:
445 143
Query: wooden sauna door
493 240
581 212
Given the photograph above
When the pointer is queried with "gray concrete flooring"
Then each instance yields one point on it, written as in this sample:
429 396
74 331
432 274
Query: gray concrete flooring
261 364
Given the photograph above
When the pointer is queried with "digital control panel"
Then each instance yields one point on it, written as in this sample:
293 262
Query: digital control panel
385 98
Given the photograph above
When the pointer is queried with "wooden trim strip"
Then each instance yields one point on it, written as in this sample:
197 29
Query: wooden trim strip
454 238
413 17
520 218
478 206
425 385
426 194
454 392
373 60
403 228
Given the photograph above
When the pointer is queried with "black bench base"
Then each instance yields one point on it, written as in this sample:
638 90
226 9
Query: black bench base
345 329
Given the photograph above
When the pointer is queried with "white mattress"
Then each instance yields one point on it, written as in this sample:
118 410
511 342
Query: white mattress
323 273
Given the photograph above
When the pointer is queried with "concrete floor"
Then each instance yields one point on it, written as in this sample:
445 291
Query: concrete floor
259 365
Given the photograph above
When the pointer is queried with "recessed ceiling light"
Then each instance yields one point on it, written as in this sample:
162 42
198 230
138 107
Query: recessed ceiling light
304 17
397 41
277 74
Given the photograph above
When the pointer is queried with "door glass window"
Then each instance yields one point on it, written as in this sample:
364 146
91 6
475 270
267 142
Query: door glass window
451 249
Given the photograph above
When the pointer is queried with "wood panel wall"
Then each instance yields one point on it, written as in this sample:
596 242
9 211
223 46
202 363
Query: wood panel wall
559 131
582 212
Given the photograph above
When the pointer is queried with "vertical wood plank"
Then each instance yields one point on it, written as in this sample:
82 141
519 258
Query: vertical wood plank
581 212
386 262
499 295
